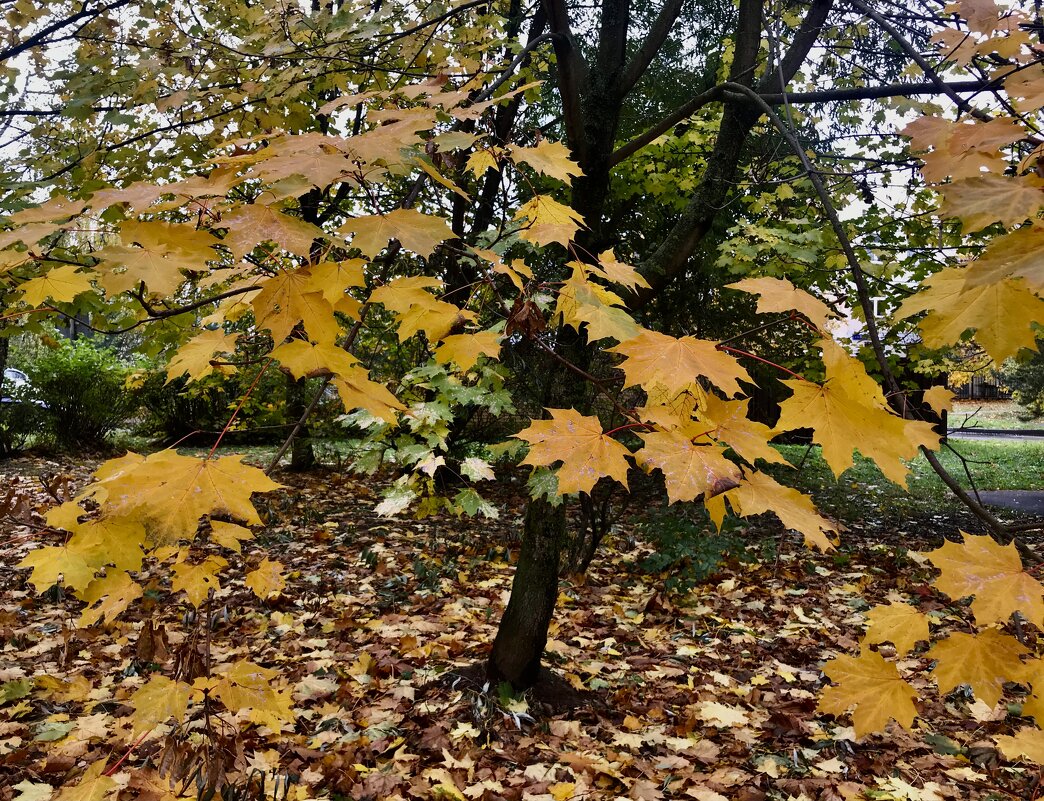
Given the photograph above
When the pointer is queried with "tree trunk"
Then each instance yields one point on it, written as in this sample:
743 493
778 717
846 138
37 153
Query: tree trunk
522 635
302 456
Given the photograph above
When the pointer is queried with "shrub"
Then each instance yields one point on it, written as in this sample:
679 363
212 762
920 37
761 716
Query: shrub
688 551
1026 381
21 420
83 391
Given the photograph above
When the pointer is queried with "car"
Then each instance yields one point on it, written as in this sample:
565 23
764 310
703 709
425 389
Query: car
15 387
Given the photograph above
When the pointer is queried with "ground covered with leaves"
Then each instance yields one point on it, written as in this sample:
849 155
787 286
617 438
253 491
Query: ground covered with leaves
708 694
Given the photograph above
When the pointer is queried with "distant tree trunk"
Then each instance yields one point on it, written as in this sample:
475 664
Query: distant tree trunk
522 635
302 456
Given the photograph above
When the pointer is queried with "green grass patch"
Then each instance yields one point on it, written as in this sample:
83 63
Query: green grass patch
862 492
1004 415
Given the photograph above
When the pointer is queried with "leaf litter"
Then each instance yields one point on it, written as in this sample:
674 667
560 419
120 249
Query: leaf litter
370 648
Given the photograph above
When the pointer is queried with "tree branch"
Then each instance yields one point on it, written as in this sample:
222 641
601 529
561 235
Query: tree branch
658 33
572 73
40 37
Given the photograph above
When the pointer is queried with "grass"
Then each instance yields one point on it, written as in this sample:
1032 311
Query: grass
991 414
862 492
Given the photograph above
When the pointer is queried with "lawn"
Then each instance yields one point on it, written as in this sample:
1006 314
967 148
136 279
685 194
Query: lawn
991 415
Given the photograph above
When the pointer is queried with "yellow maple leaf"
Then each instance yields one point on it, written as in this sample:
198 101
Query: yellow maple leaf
197 580
482 160
1027 87
159 700
420 233
465 349
987 199
614 270
289 298
652 359
195 356
993 573
93 785
984 660
307 360
436 319
779 295
171 492
871 685
727 421
582 302
578 442
1027 743
759 492
689 470
1018 254
844 408
61 284
334 279
902 625
75 563
156 254
549 221
1001 314
254 223
550 158
108 597
245 685
267 580
357 391
229 535
939 399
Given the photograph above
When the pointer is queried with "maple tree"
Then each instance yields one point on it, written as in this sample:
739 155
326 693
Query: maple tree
299 212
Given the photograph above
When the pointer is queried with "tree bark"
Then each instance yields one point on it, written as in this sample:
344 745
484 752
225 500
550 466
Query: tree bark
302 455
520 641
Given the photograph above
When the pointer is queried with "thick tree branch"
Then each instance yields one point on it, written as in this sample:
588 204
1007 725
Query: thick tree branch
658 33
572 73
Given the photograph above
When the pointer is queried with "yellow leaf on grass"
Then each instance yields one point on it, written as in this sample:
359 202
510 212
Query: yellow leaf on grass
465 349
195 356
652 358
108 597
985 661
993 573
779 295
902 625
267 580
578 442
420 233
93 785
197 580
871 685
62 284
689 470
759 492
157 701
549 221
550 158
1027 743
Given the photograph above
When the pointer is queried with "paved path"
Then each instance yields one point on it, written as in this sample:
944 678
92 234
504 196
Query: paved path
1002 434
1028 501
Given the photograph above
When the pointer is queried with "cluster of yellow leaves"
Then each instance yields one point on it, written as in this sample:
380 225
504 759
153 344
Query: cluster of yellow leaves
993 575
999 296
